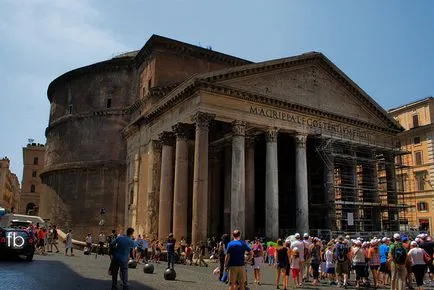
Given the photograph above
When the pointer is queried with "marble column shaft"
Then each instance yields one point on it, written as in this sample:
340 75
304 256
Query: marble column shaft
250 188
227 189
200 179
180 195
238 189
154 173
135 191
166 186
271 186
301 185
214 185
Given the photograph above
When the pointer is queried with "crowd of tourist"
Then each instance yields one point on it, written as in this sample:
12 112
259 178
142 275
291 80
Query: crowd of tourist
396 262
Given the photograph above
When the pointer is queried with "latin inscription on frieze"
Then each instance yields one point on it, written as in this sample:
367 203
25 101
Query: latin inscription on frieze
311 123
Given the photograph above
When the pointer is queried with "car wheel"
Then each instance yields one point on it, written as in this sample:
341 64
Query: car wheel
29 258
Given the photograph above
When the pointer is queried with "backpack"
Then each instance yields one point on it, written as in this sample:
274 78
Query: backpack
399 254
341 253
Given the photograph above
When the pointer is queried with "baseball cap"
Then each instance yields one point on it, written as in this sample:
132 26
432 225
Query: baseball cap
397 236
297 235
306 235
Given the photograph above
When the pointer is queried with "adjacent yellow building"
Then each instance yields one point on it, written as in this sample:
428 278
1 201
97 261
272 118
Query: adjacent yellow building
9 187
415 167
33 161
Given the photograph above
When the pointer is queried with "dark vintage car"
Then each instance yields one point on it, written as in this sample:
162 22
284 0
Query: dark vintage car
15 241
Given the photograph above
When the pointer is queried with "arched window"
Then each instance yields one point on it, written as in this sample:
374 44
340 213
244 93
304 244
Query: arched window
32 188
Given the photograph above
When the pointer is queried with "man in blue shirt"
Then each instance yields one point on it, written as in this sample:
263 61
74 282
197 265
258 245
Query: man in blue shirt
121 251
235 261
384 269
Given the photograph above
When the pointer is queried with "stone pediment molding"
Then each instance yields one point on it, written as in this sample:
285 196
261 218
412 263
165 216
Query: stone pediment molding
209 82
313 59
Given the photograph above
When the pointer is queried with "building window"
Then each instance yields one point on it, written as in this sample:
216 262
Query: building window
398 160
34 173
109 103
420 180
418 158
35 160
382 183
32 188
70 109
422 206
415 121
416 140
401 183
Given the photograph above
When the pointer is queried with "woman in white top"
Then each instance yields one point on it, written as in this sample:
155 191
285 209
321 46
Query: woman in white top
359 261
418 265
69 243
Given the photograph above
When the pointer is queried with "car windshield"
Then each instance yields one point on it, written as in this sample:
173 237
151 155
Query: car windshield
19 224
23 234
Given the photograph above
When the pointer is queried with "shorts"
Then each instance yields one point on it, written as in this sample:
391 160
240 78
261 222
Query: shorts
237 274
295 273
374 267
384 268
342 268
40 242
330 271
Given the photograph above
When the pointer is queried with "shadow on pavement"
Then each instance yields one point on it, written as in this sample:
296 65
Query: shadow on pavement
17 274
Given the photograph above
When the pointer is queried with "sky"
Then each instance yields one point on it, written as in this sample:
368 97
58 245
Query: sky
386 47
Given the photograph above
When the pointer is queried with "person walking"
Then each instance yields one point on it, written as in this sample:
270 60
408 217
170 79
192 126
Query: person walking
101 242
54 239
121 247
398 258
315 260
258 256
235 261
170 248
418 264
225 239
68 243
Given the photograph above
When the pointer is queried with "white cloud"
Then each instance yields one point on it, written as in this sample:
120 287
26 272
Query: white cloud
63 30
39 40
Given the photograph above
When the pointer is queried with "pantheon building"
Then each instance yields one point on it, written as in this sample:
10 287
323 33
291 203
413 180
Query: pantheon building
180 138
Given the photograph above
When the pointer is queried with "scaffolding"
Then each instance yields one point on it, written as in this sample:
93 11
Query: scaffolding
362 202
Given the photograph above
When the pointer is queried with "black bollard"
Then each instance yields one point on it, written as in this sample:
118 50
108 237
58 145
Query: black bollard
169 274
148 269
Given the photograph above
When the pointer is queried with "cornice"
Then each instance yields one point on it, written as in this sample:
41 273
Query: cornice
86 115
69 166
417 130
176 46
257 98
113 64
313 58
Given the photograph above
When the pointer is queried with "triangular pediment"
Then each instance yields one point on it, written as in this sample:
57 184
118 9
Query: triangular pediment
311 85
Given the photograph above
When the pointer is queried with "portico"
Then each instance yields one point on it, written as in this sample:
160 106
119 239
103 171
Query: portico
266 148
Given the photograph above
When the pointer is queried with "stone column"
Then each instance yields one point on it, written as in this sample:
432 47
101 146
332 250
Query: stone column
200 179
392 196
271 186
238 189
133 206
227 189
214 185
180 195
166 186
250 187
329 189
153 187
371 214
301 186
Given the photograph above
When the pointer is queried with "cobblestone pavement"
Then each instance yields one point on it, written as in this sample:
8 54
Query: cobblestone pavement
55 271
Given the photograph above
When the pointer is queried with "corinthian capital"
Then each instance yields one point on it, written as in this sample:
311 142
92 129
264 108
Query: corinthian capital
167 138
239 128
181 131
202 120
271 134
300 140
